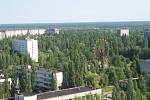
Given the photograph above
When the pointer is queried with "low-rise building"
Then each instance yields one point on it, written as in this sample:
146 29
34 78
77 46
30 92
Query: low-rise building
123 32
3 79
65 94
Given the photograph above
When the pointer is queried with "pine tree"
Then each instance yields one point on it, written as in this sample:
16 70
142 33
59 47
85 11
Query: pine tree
53 82
123 96
2 91
33 78
6 88
97 97
130 90
29 86
142 84
116 94
23 80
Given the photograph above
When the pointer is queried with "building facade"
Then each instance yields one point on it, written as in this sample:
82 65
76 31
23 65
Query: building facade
43 77
20 32
123 32
27 46
146 34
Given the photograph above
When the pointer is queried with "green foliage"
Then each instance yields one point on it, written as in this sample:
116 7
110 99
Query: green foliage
142 84
33 77
24 81
123 95
2 95
116 94
92 80
54 82
76 53
4 90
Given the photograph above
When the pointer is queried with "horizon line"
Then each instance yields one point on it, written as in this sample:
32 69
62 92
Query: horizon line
75 22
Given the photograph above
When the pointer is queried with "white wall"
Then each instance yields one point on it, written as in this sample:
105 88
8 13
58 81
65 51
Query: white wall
34 97
2 35
59 77
124 32
3 80
22 97
32 47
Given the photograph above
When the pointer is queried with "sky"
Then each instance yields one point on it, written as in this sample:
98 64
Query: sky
61 11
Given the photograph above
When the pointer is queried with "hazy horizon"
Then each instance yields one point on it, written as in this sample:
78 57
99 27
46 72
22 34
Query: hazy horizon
67 11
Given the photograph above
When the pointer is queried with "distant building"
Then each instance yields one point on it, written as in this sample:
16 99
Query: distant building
123 32
2 35
66 94
27 46
52 31
145 65
146 34
20 32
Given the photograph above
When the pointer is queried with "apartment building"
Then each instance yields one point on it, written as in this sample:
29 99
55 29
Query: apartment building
44 78
19 32
123 32
27 46
65 94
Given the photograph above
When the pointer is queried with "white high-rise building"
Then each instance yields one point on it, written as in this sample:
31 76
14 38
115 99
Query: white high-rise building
29 46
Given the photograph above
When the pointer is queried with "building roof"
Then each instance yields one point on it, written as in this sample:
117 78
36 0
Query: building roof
51 94
26 94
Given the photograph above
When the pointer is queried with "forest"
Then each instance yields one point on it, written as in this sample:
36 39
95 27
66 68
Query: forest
88 57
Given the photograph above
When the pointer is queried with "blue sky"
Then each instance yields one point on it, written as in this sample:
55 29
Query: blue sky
58 11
